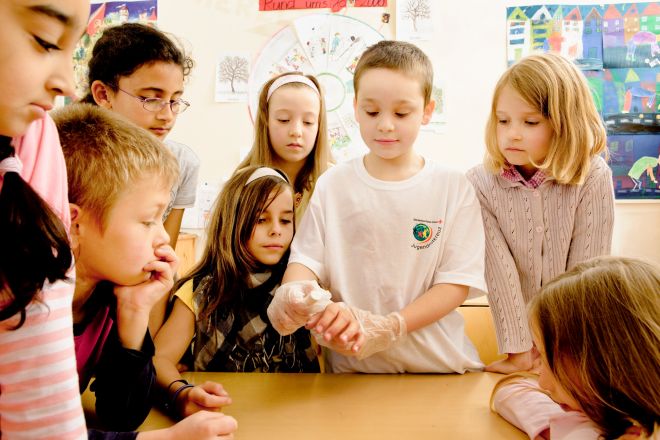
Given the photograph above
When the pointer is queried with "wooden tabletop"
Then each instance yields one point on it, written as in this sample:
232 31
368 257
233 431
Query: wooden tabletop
358 406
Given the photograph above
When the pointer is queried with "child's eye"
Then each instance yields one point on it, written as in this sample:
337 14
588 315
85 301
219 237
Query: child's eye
149 224
309 123
283 121
372 113
532 122
401 115
285 221
45 44
261 221
502 121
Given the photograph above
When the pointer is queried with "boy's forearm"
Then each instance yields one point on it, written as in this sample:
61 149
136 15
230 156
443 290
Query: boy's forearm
434 304
131 328
298 272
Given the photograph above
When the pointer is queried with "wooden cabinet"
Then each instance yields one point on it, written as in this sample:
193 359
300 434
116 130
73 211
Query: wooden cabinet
185 250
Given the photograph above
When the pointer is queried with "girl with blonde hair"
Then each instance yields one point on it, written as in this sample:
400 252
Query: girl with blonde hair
290 133
597 331
546 193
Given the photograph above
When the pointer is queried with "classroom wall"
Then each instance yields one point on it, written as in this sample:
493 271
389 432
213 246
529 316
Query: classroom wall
468 51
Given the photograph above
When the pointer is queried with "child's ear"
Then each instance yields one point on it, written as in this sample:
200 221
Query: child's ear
74 233
101 94
428 112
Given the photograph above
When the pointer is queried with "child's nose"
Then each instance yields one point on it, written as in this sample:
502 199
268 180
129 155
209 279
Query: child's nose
162 237
61 79
385 124
296 129
276 229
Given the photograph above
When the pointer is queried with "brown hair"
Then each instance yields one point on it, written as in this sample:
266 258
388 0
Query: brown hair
600 328
398 56
226 256
262 152
557 89
105 153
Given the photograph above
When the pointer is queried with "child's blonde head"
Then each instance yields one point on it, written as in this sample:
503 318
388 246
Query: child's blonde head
557 89
262 152
398 56
105 154
599 324
235 213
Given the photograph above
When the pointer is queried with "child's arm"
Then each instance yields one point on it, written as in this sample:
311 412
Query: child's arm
135 303
505 296
171 343
594 217
172 225
125 376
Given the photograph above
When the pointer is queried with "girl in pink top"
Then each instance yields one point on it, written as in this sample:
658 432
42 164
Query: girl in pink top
596 329
39 397
546 195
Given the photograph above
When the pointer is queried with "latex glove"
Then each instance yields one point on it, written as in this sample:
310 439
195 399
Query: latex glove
380 331
294 304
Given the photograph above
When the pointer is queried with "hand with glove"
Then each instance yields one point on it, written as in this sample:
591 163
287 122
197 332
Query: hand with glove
376 332
294 304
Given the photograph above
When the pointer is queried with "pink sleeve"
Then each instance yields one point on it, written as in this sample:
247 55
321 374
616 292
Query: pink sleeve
43 165
523 405
40 396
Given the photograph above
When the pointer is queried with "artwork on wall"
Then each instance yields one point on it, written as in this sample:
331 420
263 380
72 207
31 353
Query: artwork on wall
102 15
327 46
616 46
232 71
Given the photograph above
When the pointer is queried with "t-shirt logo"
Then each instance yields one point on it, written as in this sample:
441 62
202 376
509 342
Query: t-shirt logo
422 232
425 232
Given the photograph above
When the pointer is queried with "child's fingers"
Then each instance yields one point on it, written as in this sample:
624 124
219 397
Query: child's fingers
167 254
350 333
204 399
313 321
341 322
160 270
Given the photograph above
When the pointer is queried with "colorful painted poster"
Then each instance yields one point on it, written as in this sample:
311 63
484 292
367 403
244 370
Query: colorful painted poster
329 47
635 162
630 35
103 15
574 31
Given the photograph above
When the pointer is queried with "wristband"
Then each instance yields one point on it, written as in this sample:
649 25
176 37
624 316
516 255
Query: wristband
169 387
171 405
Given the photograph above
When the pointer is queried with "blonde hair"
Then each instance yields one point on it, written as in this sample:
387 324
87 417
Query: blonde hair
599 324
557 89
398 56
105 154
262 152
226 256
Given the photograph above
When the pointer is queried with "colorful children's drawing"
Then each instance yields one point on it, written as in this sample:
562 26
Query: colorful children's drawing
574 31
631 32
328 46
103 15
635 162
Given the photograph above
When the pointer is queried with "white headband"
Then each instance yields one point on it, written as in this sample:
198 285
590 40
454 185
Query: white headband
11 164
263 172
287 79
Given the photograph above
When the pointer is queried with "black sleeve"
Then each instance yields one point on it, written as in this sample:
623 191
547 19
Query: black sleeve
93 434
125 384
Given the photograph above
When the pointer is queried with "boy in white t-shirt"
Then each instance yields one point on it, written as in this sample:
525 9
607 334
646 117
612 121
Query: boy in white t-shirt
395 238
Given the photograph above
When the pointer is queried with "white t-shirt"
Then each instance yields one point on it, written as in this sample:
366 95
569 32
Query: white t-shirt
185 190
379 245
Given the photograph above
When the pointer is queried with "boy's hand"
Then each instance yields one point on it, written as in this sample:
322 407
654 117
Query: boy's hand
134 303
337 329
207 396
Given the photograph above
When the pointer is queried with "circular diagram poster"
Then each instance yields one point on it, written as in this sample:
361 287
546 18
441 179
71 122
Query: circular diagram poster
327 46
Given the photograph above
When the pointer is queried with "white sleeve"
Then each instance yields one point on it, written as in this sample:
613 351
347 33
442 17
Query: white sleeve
308 247
463 258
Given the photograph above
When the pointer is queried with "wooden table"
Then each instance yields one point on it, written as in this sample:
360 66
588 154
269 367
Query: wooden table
358 406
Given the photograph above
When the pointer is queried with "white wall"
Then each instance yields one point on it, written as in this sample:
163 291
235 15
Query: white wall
468 51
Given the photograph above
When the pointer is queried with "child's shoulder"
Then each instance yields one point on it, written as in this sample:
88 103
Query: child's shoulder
183 153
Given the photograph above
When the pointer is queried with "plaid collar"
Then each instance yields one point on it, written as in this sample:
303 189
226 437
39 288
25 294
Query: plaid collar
512 174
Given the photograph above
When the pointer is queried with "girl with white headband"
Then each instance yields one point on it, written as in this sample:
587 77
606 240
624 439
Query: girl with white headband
290 132
220 306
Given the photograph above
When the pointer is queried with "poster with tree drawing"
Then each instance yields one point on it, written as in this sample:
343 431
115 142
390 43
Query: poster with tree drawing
232 72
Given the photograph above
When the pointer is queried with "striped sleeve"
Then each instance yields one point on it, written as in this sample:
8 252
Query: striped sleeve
39 396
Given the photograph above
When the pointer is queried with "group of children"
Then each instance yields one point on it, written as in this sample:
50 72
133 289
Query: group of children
386 246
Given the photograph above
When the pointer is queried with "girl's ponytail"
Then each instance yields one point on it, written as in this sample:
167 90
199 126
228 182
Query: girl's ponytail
34 243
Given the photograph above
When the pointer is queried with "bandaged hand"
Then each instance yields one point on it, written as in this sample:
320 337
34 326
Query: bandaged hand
294 304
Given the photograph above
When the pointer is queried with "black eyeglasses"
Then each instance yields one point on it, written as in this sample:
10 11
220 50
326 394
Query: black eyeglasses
157 104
